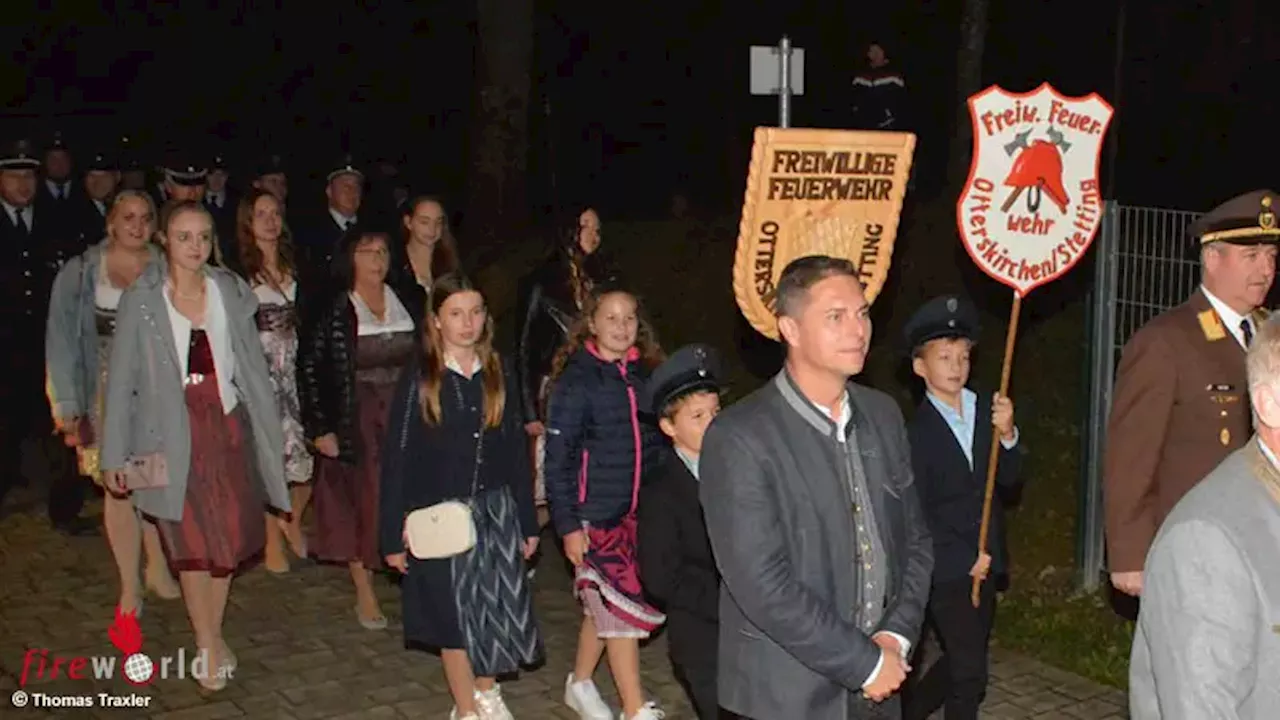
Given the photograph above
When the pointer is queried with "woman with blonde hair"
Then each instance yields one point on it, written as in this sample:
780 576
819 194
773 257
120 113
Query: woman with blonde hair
191 425
81 323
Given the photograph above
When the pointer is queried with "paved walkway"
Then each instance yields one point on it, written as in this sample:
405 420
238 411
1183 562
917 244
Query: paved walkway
303 656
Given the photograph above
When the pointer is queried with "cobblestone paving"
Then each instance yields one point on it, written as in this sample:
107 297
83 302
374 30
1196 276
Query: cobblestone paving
303 656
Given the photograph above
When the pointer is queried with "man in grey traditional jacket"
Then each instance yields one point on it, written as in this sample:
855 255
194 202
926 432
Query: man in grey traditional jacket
1207 646
807 490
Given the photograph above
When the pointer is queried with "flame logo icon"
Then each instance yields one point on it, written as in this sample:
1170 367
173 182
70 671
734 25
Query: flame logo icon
126 635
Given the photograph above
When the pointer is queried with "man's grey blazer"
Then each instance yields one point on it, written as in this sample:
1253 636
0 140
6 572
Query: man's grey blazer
1207 645
780 519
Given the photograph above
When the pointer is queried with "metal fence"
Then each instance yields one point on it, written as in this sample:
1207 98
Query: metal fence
1144 265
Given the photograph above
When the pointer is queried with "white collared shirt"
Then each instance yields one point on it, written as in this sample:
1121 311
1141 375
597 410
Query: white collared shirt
12 211
101 206
1230 318
219 334
60 190
215 199
1268 454
842 422
342 220
397 317
455 366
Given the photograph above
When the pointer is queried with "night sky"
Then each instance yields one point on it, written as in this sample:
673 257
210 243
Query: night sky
645 98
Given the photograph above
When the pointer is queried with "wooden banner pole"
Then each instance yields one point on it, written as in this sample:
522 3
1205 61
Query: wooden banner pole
994 457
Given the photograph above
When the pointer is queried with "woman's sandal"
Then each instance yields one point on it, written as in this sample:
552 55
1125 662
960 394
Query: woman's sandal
218 681
229 661
375 623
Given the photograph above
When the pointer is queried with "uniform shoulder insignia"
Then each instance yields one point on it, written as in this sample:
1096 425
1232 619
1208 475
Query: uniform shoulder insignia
1211 326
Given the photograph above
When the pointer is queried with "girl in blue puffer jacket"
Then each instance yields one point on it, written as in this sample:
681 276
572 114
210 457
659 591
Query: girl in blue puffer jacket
598 448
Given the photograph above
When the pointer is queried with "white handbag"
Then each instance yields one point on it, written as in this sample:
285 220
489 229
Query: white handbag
447 528
441 530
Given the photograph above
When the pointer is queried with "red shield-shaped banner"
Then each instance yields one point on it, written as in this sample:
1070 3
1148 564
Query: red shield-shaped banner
1032 205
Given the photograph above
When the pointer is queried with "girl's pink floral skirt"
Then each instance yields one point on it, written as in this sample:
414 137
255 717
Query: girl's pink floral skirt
607 583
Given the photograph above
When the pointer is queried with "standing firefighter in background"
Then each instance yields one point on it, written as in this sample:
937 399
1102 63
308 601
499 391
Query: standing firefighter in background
1181 404
879 93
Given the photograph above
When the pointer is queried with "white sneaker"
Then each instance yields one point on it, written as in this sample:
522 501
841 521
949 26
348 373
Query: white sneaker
491 705
453 715
583 698
648 711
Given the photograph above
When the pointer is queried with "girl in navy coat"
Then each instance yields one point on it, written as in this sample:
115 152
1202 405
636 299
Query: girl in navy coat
454 433
597 450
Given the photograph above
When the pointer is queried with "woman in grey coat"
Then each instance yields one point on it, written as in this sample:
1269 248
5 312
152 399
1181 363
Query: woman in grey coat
82 309
191 423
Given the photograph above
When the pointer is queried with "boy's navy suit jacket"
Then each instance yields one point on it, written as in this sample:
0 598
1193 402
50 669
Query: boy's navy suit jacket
952 494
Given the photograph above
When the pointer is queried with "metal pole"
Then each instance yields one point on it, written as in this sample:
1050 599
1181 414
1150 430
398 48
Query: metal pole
1091 521
784 82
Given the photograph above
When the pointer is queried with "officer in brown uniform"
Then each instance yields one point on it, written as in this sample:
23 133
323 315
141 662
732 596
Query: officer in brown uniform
1181 401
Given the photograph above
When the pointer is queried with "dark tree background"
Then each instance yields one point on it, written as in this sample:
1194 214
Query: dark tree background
626 104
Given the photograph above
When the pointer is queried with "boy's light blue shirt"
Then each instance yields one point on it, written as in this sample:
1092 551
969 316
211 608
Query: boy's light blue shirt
690 461
963 424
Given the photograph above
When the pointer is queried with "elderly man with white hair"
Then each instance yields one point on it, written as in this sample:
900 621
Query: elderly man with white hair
1207 645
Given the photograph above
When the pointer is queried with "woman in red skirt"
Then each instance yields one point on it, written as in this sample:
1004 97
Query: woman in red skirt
348 365
191 425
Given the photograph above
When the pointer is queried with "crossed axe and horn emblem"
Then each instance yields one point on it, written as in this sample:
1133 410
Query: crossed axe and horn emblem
1037 170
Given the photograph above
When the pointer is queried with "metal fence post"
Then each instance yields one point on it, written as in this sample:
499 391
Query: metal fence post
1090 521
1087 375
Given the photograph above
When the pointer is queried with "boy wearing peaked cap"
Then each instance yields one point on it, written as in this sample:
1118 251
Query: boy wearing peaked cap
677 568
950 437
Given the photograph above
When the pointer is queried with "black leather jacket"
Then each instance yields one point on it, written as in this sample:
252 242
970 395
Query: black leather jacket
327 371
546 311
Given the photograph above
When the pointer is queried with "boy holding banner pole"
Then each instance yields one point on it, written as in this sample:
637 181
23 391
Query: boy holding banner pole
950 430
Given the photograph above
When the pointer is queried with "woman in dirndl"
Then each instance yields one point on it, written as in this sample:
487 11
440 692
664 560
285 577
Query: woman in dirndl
266 259
82 321
455 434
349 361
190 423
